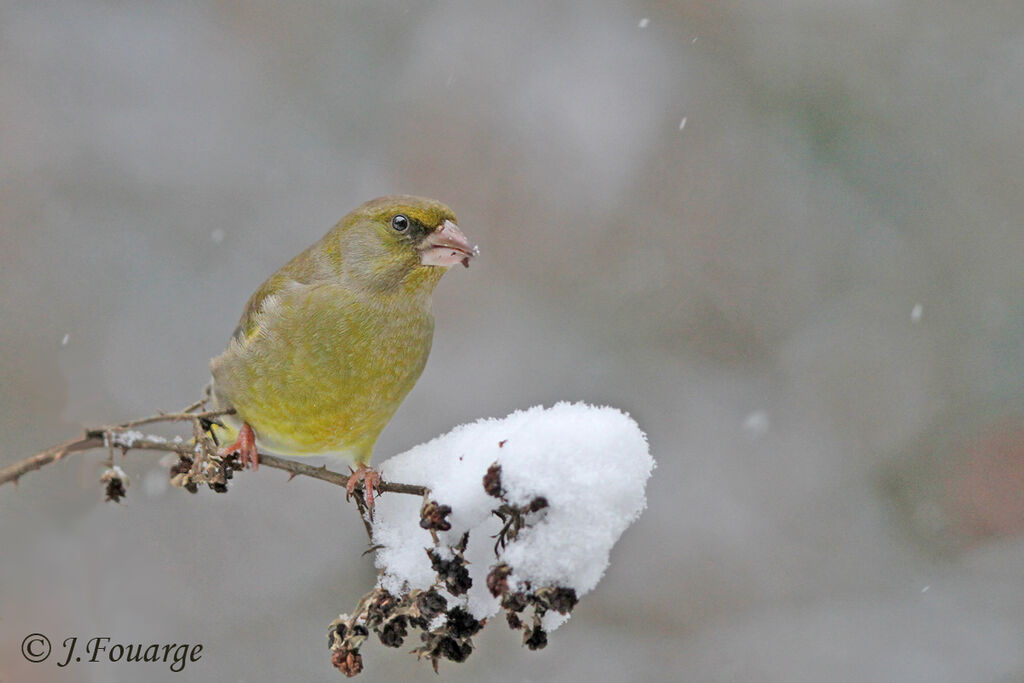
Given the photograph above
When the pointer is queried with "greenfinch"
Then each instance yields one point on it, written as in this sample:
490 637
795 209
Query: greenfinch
329 346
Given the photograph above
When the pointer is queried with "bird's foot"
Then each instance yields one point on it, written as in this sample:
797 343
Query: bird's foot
245 446
371 480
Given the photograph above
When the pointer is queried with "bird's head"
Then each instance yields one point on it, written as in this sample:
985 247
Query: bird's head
398 240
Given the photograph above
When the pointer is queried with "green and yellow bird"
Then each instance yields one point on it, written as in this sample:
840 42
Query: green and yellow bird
329 346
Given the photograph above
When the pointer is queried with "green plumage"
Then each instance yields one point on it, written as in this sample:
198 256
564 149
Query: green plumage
329 346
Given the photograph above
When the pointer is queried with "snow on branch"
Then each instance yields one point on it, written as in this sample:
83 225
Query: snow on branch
521 516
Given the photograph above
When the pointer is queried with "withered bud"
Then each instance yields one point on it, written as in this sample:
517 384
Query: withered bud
183 466
492 481
513 619
431 603
514 602
348 662
535 638
231 461
432 516
453 649
116 483
383 602
393 632
558 598
462 624
538 503
497 579
453 572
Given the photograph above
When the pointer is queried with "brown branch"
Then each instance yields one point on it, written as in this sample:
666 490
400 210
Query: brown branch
114 437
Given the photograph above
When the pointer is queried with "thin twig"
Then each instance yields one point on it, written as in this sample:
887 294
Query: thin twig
107 437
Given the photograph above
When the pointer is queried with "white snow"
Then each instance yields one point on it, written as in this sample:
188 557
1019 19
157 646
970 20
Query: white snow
65 339
915 314
644 23
591 464
129 438
682 124
217 235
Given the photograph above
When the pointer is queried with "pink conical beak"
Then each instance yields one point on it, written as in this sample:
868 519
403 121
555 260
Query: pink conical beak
447 246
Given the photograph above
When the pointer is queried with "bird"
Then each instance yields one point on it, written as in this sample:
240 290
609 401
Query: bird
329 346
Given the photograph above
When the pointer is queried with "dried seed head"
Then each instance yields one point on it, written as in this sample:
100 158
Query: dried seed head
462 624
492 481
116 483
432 516
497 579
535 638
393 632
515 602
453 649
558 598
348 662
383 602
431 603
183 466
563 600
453 572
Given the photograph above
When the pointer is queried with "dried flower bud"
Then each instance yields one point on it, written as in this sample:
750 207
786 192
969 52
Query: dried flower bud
538 503
432 516
535 638
431 603
116 483
492 481
183 466
348 662
453 572
513 619
453 649
514 602
383 602
563 600
393 632
558 598
462 624
497 579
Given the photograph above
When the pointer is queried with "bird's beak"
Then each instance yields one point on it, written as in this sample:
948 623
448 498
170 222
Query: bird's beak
446 246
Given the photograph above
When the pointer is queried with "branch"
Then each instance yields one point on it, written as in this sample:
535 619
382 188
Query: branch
198 448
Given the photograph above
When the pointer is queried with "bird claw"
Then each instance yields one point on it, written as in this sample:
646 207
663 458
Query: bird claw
245 446
371 480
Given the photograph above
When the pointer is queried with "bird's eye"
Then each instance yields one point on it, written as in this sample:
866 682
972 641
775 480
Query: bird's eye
400 223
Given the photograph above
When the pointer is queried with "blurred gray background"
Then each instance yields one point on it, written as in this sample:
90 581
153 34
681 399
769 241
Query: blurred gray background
809 296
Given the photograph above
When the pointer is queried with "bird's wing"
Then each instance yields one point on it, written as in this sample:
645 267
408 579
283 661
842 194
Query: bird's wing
267 295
